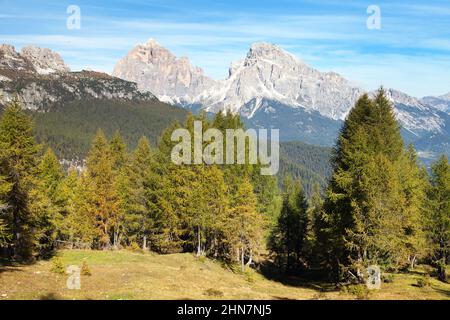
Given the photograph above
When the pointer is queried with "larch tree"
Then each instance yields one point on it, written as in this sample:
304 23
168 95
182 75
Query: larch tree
18 164
46 203
78 227
103 199
120 170
413 180
438 215
246 226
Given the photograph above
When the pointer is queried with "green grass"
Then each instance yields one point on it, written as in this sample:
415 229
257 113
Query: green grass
126 275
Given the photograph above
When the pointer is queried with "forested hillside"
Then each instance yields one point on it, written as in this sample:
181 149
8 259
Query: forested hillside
307 162
69 129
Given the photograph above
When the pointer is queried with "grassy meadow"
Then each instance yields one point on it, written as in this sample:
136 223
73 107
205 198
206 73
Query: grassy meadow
124 275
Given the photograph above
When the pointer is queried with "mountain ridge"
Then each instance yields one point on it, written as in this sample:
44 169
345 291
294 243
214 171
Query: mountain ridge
273 88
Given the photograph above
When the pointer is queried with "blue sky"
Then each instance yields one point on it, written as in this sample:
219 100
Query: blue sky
411 51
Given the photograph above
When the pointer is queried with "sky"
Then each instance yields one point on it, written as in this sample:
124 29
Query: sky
410 51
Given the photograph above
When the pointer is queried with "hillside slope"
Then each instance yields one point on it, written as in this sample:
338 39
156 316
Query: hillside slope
126 275
69 129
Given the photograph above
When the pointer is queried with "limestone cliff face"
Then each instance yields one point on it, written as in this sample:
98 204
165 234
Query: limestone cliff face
272 88
40 79
156 69
44 60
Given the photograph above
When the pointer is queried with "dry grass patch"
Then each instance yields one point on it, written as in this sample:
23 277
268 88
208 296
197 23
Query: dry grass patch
131 275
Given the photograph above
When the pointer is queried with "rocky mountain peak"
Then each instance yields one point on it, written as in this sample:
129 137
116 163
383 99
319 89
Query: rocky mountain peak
151 52
44 60
156 69
401 97
7 49
445 96
31 60
11 61
269 52
270 86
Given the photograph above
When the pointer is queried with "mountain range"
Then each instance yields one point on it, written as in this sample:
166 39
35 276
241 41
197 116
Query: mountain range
272 88
269 88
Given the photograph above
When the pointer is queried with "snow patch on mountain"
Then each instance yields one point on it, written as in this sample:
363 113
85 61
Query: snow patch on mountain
266 73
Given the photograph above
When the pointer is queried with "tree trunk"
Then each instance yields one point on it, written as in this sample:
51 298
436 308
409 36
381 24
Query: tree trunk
412 262
250 260
198 242
242 260
144 243
441 269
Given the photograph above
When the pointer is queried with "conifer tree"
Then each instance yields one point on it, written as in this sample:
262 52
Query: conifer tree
103 198
18 163
438 215
414 182
366 193
165 190
45 203
246 226
120 169
210 201
316 253
77 228
5 187
139 205
288 239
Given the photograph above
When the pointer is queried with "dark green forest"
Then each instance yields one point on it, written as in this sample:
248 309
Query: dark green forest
68 130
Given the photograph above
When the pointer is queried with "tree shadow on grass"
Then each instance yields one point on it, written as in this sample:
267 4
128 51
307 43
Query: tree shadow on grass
309 280
442 291
50 296
8 266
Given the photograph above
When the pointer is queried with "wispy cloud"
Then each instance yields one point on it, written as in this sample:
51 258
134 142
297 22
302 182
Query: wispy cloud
412 45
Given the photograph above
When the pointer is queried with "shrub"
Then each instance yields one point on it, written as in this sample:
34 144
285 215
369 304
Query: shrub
57 266
360 291
388 278
135 247
250 276
424 281
85 270
213 292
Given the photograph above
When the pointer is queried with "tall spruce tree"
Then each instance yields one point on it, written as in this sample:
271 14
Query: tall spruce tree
288 239
18 158
315 252
366 193
139 204
438 215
